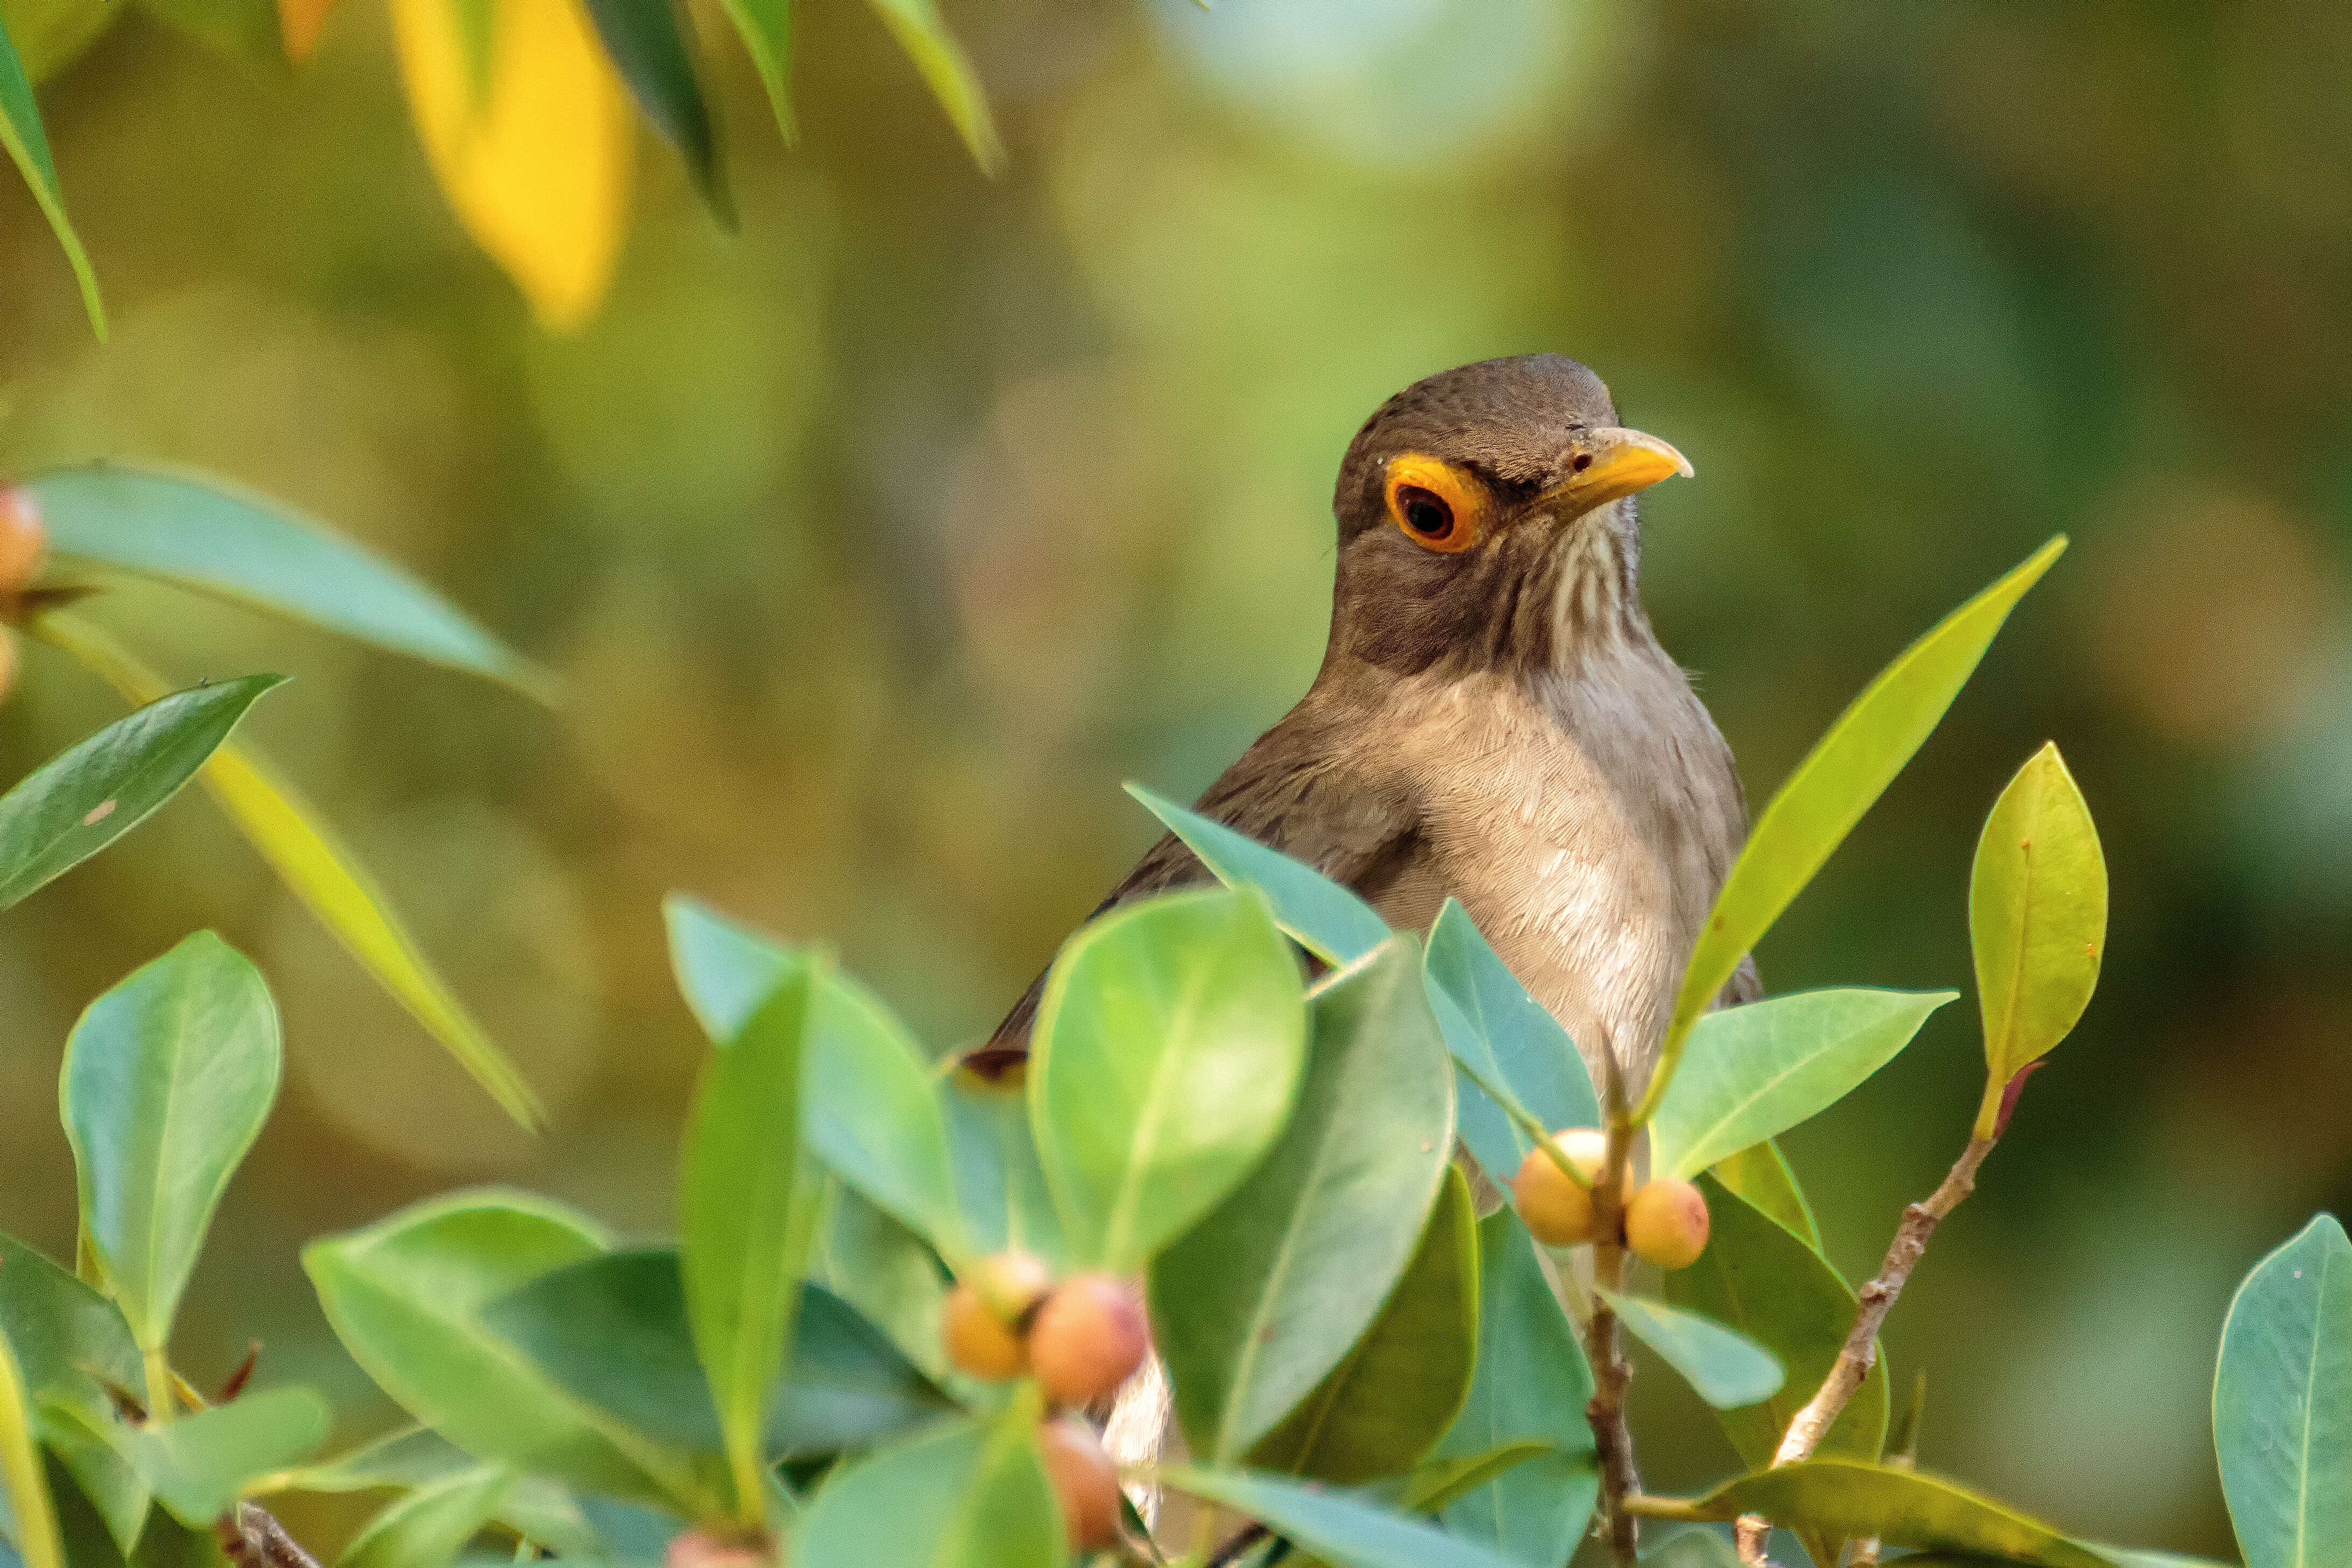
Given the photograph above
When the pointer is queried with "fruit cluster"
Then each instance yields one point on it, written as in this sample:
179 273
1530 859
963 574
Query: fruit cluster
1080 1340
1663 1222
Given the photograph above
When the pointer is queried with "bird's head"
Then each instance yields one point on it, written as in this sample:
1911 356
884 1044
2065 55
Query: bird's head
1485 520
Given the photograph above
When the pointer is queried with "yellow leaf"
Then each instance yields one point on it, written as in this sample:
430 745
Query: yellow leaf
320 871
539 169
299 22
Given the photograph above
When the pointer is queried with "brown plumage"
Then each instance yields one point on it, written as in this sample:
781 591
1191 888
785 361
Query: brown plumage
1496 721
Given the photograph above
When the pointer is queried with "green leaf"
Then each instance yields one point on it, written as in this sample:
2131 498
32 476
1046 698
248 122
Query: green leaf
200 1464
1325 918
1504 1036
405 1456
1532 1386
613 1330
1309 1247
29 145
28 1516
1904 1508
1761 1176
887 1272
765 26
1771 1287
1000 1179
1838 781
873 1110
725 969
426 1528
86 797
168 1078
749 1205
2282 1404
1385 1406
1692 1549
1436 1483
1165 1058
2037 920
70 1341
1752 1073
291 836
200 534
964 1496
648 43
85 1436
847 1385
406 1296
1342 1531
1726 1367
923 33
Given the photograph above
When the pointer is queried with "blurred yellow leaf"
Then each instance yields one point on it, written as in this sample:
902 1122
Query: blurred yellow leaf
301 21
539 168
320 871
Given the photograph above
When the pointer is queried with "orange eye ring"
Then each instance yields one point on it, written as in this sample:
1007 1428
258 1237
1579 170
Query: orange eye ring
1436 505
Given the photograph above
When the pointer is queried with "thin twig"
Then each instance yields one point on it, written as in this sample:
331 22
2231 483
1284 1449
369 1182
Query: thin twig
251 1537
1612 1438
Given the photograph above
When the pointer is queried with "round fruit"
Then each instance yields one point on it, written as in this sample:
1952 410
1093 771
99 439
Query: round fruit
1089 1337
1085 1483
987 1316
22 540
1666 1223
1557 1210
713 1549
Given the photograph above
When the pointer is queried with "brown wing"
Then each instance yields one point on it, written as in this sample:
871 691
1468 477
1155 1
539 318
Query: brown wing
1288 791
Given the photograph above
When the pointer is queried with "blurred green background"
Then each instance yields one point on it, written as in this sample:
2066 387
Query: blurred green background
881 541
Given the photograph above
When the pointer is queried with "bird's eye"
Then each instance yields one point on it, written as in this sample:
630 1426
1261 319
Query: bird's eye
1434 504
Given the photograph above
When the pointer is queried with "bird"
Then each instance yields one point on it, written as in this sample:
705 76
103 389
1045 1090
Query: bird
1494 719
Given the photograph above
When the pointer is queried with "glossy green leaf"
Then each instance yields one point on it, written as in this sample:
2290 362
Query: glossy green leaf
1761 1175
1437 1483
1325 918
1399 1388
28 147
964 1496
29 1521
427 1527
200 534
648 42
923 33
297 843
1504 1036
1726 1367
86 1437
1532 1386
406 1296
872 1111
1902 1507
70 1343
1846 770
1692 1549
766 29
168 1078
1343 1531
405 1456
1000 1180
749 1205
725 969
887 1272
91 794
1759 1279
847 1385
1309 1247
2037 920
1752 1073
2282 1404
1165 1058
200 1464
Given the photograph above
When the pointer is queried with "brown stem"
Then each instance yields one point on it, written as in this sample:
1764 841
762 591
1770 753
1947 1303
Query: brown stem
251 1537
1612 1438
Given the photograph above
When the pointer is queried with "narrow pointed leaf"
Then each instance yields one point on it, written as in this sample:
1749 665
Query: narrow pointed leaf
30 1514
1531 1386
1760 1280
1325 918
2037 920
2282 1404
1752 1073
965 1496
873 1111
91 794
923 33
725 969
766 29
337 889
1310 1245
1724 1367
1838 780
1398 1390
168 1078
1334 1526
647 41
1166 1057
1761 1175
1904 1508
1504 1036
200 1464
428 1526
28 146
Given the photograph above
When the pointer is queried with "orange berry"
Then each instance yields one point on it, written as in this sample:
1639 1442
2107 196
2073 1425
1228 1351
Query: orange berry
1085 1483
987 1315
1666 1223
1088 1338
23 540
1557 1210
714 1549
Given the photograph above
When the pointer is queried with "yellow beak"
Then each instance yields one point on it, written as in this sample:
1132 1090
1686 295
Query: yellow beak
1611 463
